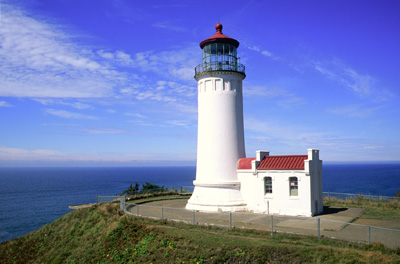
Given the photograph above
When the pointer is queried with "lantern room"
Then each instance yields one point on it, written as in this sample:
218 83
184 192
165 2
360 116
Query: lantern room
219 54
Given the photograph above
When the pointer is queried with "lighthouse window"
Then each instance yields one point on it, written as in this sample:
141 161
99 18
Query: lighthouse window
293 186
267 185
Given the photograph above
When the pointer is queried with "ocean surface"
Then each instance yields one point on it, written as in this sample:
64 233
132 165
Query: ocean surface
33 197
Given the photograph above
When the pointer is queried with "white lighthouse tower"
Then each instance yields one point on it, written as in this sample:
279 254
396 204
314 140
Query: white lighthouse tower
220 139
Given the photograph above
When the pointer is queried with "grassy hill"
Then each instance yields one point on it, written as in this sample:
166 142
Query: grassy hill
103 234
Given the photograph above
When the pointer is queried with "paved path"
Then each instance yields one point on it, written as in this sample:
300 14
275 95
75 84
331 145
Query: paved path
334 223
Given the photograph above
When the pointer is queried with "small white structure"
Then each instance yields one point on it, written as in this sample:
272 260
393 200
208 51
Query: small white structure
285 185
225 179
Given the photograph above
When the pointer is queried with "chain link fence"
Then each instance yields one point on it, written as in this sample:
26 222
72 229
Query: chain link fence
313 226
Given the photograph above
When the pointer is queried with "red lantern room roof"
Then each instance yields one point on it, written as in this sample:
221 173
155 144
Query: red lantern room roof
219 38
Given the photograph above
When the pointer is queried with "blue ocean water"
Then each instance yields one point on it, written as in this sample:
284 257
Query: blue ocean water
33 197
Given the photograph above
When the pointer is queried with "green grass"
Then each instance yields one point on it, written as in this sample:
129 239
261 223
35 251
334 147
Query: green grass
103 234
389 209
143 198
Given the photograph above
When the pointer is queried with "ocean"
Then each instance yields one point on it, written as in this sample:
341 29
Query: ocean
33 197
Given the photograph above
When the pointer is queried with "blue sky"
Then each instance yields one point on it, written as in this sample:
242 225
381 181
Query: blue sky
111 82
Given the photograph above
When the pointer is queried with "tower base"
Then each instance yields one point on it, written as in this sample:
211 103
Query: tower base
217 197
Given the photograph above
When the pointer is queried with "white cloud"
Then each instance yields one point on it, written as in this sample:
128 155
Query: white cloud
73 104
284 97
171 25
358 111
104 131
360 84
111 111
21 154
180 123
40 60
4 104
284 138
10 155
264 52
173 63
135 115
69 115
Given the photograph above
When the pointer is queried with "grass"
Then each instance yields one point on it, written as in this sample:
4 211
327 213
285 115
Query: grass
103 234
143 198
388 209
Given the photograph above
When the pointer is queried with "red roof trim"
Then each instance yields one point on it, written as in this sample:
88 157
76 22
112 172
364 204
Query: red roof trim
287 162
245 163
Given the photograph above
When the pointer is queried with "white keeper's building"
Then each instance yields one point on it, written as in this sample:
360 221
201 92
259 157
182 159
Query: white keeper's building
225 179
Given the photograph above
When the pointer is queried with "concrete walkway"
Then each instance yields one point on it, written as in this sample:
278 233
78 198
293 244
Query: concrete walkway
334 223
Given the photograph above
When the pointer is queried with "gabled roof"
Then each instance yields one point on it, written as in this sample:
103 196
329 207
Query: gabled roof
287 162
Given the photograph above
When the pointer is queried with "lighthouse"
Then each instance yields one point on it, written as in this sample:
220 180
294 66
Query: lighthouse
220 138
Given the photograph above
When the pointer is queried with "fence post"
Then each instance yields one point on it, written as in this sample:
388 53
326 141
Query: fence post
369 235
319 227
181 189
162 213
272 225
194 217
122 204
230 219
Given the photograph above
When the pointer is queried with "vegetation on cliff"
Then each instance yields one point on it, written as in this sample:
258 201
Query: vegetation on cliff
103 234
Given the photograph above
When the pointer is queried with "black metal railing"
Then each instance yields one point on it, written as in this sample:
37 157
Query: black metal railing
219 66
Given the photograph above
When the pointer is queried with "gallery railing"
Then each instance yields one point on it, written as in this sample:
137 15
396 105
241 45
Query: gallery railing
219 66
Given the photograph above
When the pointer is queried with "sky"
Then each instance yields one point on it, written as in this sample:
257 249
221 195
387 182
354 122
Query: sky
102 82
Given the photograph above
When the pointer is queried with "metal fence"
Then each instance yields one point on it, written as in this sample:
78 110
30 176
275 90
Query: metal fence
109 198
314 226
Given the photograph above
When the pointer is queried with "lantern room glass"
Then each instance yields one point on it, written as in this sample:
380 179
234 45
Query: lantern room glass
220 56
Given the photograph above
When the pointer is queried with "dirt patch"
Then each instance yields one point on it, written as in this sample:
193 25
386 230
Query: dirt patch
81 206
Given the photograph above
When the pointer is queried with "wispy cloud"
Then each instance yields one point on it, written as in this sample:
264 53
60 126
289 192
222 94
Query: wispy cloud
4 104
9 155
360 84
285 138
282 96
46 62
40 60
69 115
170 25
179 123
358 111
73 104
103 131
263 52
135 115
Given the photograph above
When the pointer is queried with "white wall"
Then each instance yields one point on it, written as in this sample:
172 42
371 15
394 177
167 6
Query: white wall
280 201
220 143
220 139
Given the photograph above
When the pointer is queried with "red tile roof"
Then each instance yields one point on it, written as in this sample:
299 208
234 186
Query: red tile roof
245 163
287 162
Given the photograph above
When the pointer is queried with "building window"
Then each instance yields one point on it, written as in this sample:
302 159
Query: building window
267 185
293 186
